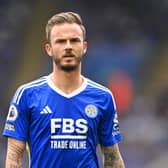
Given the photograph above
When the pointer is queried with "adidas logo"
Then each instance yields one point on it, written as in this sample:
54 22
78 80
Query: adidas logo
46 110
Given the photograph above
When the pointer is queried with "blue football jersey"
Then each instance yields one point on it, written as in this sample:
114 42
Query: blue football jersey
63 130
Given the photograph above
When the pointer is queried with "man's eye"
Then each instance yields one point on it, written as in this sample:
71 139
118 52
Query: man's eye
75 40
60 41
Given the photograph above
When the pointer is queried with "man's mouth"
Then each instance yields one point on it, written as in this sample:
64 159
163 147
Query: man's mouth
68 56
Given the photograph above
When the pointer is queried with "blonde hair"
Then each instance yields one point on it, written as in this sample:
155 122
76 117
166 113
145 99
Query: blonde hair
64 17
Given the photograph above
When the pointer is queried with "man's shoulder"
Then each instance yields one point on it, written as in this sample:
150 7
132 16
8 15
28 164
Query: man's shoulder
34 83
97 86
29 88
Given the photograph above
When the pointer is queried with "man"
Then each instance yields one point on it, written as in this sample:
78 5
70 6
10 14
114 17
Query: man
64 116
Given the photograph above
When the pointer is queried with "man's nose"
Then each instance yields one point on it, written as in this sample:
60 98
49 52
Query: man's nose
68 45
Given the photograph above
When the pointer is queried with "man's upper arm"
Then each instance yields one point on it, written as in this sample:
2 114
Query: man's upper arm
112 157
15 151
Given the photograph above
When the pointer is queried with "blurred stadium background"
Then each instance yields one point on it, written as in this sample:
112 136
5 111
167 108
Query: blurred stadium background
127 52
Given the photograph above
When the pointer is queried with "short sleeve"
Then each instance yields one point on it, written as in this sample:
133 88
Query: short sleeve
17 121
109 127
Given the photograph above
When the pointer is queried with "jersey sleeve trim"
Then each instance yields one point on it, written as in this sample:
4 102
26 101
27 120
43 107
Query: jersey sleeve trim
115 140
9 135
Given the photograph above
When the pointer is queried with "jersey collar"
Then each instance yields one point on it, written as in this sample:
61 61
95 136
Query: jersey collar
69 95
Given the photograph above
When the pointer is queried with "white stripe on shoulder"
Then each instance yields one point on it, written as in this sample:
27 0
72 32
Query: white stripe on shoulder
23 87
97 85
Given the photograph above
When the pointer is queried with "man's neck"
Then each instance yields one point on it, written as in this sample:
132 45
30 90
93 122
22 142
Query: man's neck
67 81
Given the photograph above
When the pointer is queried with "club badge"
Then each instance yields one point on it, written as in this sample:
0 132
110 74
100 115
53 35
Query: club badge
91 111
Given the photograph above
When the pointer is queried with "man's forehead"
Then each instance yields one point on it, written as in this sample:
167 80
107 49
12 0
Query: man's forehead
66 29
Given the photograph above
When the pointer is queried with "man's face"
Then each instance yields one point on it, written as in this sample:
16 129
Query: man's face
67 46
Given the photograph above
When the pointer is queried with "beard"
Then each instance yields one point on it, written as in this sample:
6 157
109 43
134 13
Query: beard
67 67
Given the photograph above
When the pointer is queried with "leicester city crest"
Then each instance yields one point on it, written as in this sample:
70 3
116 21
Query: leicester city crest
91 111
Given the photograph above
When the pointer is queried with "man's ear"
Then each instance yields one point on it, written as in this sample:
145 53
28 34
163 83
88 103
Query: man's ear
48 49
85 46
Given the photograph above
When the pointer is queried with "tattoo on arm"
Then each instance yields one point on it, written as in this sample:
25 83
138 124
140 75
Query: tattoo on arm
113 157
15 151
15 166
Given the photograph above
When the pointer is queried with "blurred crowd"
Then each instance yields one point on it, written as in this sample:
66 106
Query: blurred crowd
125 39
